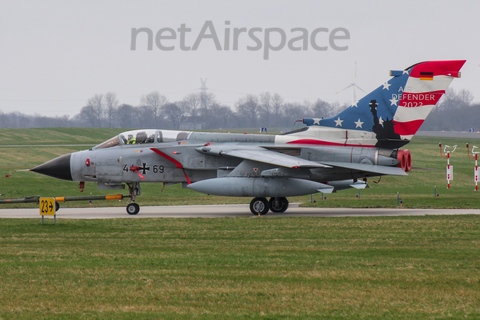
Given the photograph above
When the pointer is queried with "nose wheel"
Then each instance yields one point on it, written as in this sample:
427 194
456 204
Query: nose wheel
133 208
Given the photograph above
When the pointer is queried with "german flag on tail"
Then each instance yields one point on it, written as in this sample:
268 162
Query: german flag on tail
426 75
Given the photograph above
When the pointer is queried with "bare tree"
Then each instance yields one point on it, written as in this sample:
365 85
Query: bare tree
87 115
126 116
191 105
173 113
453 100
266 108
337 107
322 109
145 116
465 97
96 106
247 108
218 117
295 111
277 105
155 101
111 104
453 112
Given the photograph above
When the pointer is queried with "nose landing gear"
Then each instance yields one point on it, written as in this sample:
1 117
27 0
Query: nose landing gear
134 189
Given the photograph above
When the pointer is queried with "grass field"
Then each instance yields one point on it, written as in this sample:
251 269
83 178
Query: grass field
416 191
241 268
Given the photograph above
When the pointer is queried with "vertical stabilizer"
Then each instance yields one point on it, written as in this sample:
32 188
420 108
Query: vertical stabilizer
393 113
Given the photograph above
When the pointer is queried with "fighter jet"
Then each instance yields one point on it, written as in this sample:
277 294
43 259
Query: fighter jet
326 155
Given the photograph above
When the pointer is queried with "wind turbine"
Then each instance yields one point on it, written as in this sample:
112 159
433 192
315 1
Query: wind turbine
353 85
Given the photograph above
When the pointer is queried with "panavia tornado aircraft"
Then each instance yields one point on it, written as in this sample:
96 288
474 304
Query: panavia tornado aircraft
324 156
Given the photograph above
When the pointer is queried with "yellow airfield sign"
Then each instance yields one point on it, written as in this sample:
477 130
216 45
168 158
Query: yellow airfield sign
47 206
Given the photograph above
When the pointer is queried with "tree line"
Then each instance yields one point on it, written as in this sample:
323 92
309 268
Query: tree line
201 111
455 112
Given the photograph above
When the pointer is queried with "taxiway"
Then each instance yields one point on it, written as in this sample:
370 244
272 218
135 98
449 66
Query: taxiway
225 210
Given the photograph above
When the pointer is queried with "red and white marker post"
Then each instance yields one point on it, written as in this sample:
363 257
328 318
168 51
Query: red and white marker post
475 170
446 154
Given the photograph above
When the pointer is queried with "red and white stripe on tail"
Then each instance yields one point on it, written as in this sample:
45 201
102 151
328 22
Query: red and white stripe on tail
426 84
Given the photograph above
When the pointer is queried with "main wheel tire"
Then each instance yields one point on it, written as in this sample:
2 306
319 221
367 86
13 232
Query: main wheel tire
133 208
259 205
278 204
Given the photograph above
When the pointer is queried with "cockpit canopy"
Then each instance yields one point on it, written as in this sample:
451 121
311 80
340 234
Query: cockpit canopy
144 136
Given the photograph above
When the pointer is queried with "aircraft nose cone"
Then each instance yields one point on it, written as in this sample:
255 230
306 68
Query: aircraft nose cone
58 168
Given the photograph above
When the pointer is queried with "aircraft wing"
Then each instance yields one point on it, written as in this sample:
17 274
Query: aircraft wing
260 154
275 158
382 170
263 155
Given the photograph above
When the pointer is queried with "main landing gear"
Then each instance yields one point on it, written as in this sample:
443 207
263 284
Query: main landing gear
260 206
134 189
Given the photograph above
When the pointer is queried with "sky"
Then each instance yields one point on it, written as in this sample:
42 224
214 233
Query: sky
55 55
